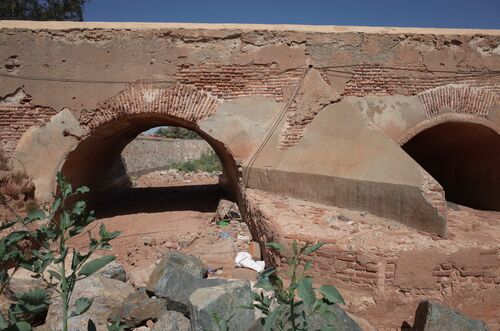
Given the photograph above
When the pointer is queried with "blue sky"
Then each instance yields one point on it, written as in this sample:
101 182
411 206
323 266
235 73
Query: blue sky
410 13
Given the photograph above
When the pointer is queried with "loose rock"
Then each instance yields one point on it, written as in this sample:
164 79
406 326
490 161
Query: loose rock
114 270
176 277
432 316
107 294
225 302
172 321
138 308
342 322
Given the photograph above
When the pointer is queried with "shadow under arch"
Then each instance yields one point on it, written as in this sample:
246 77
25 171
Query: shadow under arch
464 158
96 161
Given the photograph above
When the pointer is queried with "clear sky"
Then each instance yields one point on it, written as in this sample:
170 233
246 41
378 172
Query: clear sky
410 13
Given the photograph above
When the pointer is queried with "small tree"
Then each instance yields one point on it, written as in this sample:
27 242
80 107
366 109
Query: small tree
42 248
292 307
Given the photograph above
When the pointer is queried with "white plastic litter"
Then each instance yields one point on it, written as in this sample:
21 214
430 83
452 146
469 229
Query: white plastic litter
244 260
244 238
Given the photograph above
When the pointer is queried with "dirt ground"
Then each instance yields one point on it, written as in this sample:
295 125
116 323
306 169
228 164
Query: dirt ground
170 210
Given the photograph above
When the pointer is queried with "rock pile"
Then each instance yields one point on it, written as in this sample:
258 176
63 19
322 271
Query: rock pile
179 297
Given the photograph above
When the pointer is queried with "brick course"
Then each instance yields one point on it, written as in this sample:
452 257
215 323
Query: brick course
15 119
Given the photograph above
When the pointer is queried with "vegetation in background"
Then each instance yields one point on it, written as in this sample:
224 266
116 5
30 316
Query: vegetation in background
208 162
292 307
42 249
42 10
176 132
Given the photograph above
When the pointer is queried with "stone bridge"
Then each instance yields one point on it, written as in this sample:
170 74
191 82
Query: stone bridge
316 113
391 121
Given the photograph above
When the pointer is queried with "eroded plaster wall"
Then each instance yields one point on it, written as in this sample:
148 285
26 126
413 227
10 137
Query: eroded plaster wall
114 78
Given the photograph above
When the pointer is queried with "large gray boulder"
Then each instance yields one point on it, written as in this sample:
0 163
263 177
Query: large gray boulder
223 302
172 321
432 316
107 294
137 308
342 322
176 277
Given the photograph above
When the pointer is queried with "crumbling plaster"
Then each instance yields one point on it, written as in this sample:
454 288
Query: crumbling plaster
297 102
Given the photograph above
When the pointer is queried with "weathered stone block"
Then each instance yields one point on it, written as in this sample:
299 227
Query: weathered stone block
226 302
432 316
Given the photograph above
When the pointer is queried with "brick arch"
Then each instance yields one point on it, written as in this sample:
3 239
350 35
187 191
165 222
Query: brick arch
182 101
462 155
443 118
96 161
461 98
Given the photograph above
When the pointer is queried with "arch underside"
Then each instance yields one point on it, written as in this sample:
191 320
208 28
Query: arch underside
96 162
464 158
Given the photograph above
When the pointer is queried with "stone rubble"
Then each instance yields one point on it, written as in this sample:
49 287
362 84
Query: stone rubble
432 316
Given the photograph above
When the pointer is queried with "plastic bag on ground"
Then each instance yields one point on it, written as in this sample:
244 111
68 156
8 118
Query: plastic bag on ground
244 260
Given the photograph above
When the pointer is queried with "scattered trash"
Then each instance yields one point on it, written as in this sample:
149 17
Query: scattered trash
227 211
223 223
244 238
244 260
224 234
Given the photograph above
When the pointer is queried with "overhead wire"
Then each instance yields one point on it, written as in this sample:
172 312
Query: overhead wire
273 128
329 68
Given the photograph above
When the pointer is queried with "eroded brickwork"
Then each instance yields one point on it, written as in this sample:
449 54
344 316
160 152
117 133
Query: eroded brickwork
182 101
312 94
389 264
232 81
15 119
460 98
381 80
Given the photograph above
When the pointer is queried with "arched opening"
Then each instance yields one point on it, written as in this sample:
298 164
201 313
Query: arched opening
464 158
96 161
156 218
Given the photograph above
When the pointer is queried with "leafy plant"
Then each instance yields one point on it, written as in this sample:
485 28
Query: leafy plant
42 248
116 326
206 162
292 307
221 324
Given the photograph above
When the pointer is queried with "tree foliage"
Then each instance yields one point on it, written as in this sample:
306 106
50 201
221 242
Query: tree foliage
176 132
42 10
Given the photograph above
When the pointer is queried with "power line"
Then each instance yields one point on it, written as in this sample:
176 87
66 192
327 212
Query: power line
83 81
329 68
273 128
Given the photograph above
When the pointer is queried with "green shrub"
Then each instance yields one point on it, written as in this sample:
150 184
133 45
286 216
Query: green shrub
206 162
43 250
292 307
176 132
